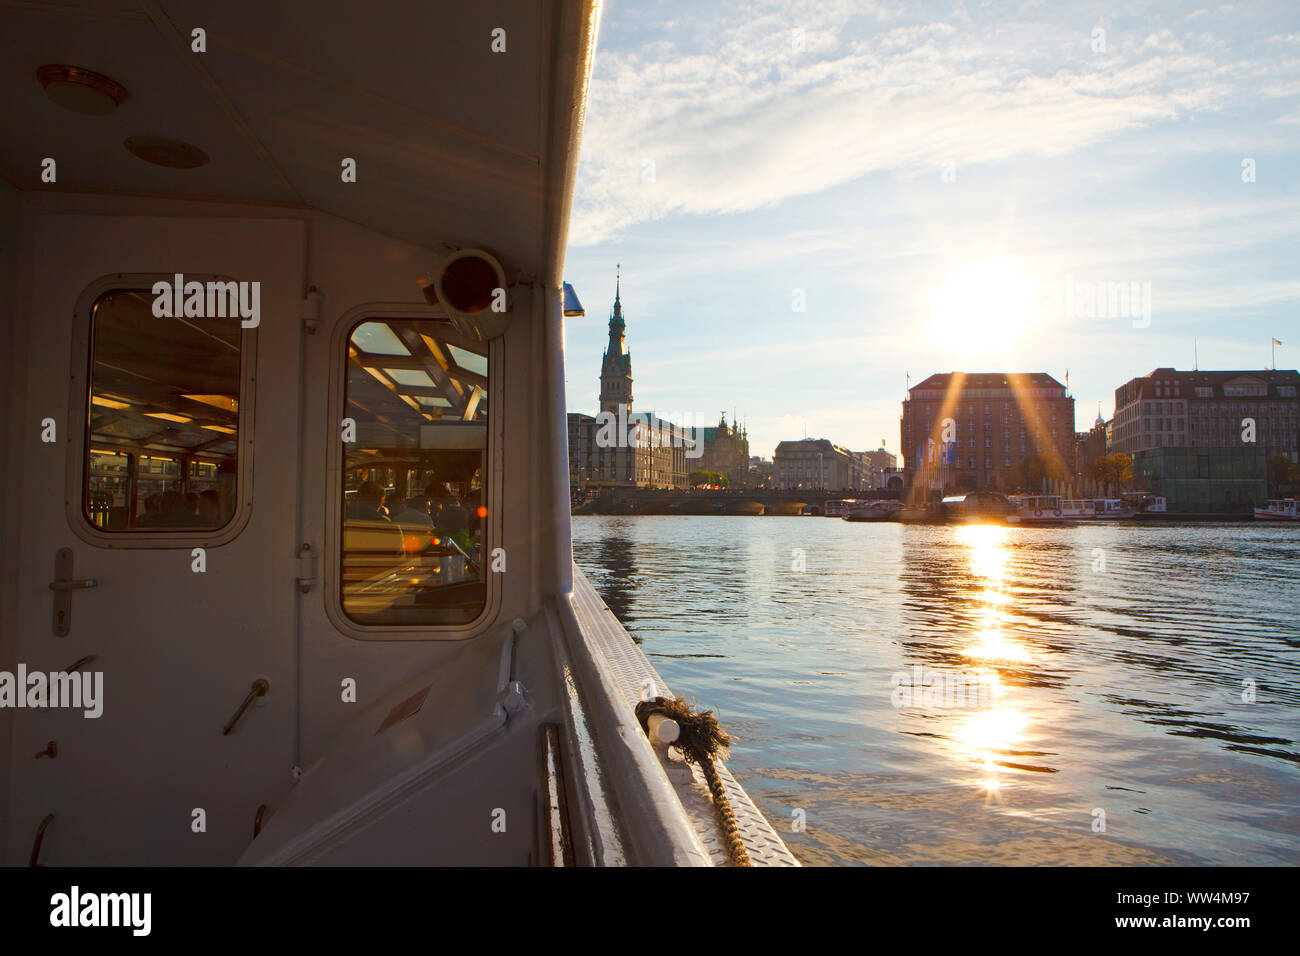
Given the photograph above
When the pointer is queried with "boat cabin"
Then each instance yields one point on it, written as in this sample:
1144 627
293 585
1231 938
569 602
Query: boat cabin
285 475
1284 509
1039 505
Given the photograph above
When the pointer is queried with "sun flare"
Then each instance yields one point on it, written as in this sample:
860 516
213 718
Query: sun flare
983 308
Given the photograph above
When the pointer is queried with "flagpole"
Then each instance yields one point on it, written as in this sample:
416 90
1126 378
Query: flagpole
1272 345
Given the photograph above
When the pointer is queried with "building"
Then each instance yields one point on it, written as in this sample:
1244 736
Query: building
726 451
1171 409
616 364
652 453
1088 447
813 463
892 481
760 472
1205 479
874 465
987 431
620 447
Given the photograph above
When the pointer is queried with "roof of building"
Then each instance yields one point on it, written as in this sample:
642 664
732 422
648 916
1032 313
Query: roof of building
988 380
809 444
1144 386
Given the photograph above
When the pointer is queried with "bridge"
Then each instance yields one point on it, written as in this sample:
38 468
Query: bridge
731 501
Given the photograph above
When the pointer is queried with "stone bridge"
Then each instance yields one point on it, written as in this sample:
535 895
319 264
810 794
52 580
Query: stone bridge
738 501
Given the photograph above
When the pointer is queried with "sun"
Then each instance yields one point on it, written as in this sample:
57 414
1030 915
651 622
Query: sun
982 308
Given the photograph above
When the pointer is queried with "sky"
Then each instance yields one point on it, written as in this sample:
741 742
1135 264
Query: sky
812 201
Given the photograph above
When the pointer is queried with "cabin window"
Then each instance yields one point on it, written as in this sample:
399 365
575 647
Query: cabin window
415 460
162 418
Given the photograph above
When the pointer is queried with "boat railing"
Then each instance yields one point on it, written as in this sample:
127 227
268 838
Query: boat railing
654 823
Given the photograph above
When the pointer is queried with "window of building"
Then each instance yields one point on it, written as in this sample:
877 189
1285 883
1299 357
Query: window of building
413 503
162 419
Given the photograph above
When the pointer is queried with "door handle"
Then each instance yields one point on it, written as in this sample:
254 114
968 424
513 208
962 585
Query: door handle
63 585
35 858
259 689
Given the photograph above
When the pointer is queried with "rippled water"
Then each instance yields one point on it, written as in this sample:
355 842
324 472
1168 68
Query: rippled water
1138 677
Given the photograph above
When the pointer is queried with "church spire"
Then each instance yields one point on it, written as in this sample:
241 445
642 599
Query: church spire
618 300
616 367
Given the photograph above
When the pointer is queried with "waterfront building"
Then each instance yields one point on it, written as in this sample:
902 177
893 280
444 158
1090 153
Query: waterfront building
1002 426
873 465
813 463
621 447
1206 480
1167 408
1088 447
726 451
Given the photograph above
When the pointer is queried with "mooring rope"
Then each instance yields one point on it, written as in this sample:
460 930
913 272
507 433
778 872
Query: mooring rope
701 739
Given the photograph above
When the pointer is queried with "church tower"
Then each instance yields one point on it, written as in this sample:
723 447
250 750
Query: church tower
616 367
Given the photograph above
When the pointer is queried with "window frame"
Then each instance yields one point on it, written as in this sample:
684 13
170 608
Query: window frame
331 569
79 428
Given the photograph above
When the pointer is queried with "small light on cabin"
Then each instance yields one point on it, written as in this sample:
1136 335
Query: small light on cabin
81 91
170 153
572 306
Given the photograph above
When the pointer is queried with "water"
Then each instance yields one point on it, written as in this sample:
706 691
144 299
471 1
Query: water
1112 661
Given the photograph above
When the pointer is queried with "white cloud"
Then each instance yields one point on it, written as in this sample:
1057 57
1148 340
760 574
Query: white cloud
741 121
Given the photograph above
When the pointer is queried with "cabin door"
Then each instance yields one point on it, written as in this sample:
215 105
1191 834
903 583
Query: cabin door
160 477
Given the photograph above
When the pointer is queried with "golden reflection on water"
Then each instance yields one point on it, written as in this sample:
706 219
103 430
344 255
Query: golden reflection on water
988 733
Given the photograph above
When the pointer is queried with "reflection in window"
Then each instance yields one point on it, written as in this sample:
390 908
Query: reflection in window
414 509
162 418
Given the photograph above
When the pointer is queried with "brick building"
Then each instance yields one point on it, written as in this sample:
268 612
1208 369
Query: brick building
974 431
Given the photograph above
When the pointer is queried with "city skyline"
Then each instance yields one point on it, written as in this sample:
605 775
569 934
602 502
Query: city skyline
936 186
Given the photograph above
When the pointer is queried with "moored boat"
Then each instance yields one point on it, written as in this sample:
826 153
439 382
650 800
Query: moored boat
1041 510
976 507
884 510
1097 509
1278 509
